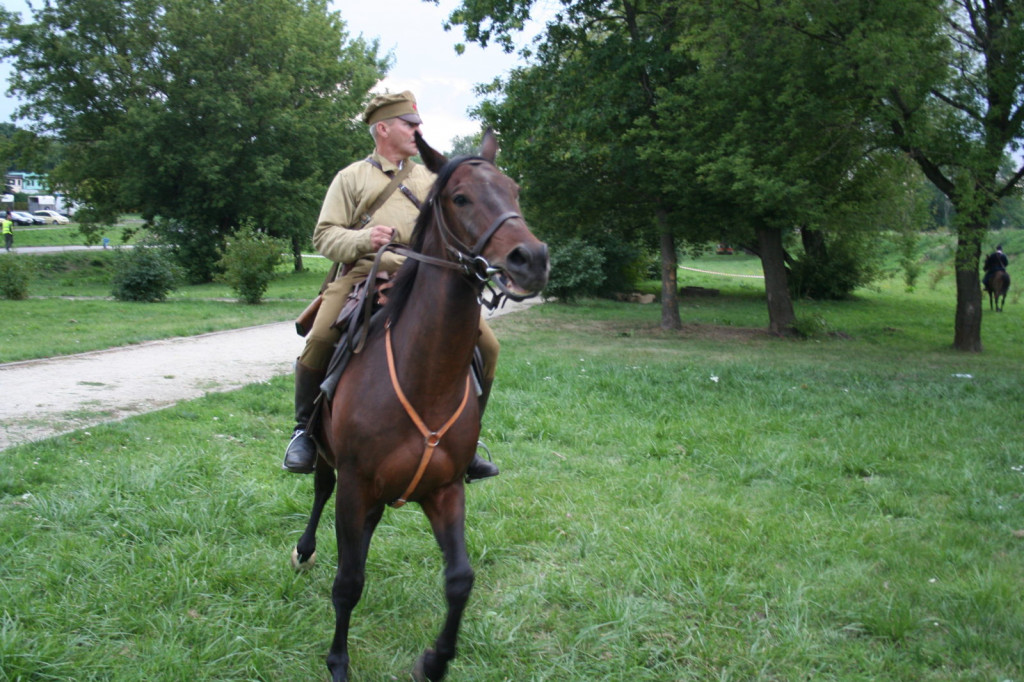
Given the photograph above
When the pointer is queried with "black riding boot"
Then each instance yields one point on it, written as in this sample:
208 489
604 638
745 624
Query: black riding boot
481 468
300 457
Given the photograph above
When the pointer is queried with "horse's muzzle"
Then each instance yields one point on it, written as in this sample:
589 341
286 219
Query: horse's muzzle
526 269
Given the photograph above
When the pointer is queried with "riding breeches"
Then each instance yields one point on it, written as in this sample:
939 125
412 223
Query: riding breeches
323 336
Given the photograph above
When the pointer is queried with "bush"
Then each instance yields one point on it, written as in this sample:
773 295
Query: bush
249 261
848 261
194 248
144 273
575 270
15 273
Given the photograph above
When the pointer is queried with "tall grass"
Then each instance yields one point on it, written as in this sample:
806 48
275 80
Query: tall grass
711 504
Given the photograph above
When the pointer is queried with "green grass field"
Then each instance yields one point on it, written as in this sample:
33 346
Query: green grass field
709 504
70 309
68 235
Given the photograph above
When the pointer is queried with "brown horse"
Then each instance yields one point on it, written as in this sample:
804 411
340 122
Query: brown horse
997 287
401 425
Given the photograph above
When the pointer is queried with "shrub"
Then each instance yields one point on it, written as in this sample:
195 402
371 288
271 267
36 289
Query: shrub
849 261
14 276
193 247
249 261
144 273
575 270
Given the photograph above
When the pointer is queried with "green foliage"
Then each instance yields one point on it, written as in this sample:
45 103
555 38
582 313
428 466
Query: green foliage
906 249
144 273
15 274
849 265
195 113
575 270
733 117
249 262
465 145
810 326
194 248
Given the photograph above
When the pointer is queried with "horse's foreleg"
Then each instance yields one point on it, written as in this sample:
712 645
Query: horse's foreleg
447 513
303 556
355 527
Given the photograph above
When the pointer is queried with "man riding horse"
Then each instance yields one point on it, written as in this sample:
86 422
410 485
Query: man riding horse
996 261
360 214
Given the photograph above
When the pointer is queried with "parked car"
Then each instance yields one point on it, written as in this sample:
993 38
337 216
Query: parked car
51 217
23 218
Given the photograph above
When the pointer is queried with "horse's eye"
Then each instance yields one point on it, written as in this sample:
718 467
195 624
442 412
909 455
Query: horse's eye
460 200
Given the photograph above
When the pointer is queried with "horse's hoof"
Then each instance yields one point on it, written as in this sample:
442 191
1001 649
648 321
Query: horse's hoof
300 566
419 674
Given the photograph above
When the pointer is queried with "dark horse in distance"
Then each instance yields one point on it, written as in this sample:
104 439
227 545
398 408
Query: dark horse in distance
402 425
997 287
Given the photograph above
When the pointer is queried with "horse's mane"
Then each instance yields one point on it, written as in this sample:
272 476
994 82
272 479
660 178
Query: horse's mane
400 291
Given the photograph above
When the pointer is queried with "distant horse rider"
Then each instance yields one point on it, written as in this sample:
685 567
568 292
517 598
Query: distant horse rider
995 262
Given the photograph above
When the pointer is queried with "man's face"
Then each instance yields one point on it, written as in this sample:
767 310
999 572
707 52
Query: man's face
399 136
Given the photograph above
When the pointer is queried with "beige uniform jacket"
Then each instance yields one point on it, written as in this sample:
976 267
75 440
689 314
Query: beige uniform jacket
349 197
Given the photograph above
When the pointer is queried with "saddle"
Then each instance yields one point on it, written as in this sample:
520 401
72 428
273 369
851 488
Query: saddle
354 321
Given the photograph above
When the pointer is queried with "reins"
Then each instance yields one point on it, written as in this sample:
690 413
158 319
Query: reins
430 438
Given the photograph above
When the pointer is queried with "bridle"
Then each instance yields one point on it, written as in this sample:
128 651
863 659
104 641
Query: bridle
461 257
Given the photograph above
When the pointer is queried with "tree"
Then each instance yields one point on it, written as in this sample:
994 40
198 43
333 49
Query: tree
706 121
197 114
945 78
581 145
961 130
465 145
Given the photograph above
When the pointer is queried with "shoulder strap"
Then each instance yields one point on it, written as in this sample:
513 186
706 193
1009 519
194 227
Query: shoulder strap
396 182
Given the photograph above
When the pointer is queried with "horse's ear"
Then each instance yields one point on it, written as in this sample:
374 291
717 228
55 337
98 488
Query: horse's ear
489 145
432 159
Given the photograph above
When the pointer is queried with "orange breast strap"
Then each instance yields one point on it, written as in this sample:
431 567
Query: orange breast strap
430 438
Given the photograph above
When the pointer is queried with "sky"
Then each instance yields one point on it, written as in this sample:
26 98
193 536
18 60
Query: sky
424 60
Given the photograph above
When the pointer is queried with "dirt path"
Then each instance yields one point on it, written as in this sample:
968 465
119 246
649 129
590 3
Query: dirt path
44 398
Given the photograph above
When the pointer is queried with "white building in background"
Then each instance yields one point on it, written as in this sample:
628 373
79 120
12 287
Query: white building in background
36 186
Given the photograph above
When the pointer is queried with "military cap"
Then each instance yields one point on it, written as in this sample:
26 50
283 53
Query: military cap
383 107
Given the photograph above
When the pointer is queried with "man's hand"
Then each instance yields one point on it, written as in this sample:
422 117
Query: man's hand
380 235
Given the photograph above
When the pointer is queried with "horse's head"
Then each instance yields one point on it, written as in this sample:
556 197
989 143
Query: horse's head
478 209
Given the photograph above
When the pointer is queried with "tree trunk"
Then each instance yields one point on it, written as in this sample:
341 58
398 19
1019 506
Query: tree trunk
297 253
967 328
776 288
669 278
814 245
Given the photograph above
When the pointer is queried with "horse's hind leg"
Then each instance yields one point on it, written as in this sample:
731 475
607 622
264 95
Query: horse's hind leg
447 513
303 556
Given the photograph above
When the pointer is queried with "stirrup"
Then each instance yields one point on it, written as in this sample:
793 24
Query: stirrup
301 460
494 468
